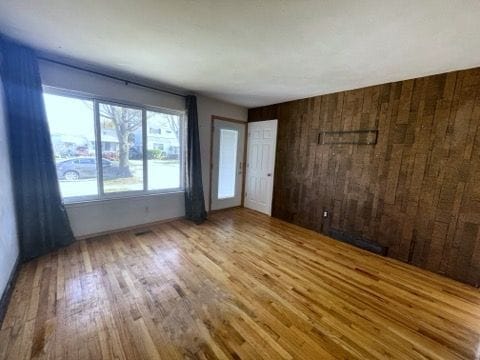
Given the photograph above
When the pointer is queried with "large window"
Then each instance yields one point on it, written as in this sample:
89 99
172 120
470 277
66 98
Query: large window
140 149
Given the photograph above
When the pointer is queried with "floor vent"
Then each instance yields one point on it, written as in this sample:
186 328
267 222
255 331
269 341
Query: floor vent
143 232
358 241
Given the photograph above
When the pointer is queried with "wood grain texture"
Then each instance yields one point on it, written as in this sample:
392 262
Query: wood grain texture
417 191
240 286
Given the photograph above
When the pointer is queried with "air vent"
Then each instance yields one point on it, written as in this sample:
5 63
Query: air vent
358 241
144 232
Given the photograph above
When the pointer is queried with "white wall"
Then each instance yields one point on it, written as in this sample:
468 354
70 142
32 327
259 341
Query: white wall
100 216
9 249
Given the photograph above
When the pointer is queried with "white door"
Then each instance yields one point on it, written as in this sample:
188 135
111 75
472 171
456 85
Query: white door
227 164
261 145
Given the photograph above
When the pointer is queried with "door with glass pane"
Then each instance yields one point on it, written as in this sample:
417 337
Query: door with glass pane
227 164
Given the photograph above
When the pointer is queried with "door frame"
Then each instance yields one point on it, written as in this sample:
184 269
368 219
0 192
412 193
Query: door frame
212 130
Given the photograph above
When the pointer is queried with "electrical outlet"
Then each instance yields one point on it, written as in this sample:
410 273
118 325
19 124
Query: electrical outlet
325 214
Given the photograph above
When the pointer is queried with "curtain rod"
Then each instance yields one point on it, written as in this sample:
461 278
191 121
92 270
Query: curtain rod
111 77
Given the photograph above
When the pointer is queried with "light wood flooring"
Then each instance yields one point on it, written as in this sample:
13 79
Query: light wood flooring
240 286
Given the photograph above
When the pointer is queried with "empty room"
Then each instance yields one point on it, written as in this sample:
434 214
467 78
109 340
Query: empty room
225 179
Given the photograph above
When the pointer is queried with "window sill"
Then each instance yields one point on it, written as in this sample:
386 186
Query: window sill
91 202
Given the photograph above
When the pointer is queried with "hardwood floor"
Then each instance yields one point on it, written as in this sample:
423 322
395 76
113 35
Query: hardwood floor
241 286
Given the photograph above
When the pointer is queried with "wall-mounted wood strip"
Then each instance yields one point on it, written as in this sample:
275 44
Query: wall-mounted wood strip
416 191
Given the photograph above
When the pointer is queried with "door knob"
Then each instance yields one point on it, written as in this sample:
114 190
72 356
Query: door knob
269 174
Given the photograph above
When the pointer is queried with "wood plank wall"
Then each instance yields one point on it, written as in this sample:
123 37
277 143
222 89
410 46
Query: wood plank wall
417 191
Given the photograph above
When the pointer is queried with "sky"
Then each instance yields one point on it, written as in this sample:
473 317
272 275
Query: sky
73 116
69 115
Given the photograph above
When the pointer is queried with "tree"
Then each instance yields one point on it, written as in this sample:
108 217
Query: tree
173 124
125 121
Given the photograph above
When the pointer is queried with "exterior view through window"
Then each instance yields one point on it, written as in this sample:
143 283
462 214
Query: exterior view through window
227 169
140 150
163 149
121 137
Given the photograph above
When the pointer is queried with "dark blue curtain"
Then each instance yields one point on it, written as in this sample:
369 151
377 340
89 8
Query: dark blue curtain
194 200
42 221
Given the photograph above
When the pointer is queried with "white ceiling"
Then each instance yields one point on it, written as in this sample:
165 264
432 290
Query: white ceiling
255 52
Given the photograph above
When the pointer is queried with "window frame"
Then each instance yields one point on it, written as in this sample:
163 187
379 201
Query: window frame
96 100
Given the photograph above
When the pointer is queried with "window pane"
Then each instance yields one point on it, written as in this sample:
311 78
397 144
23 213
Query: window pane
227 164
71 123
122 141
163 144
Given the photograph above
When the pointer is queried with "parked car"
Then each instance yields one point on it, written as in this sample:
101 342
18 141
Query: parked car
85 167
77 151
110 155
82 151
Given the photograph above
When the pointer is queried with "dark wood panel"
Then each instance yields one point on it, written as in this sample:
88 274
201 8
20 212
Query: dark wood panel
416 191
